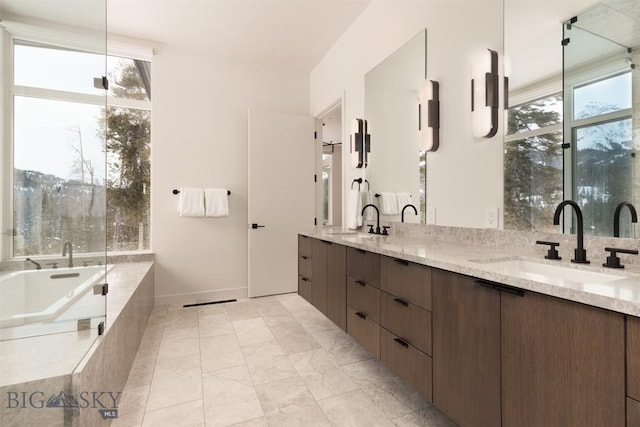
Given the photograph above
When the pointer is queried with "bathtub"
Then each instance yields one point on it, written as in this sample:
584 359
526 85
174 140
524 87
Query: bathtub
44 295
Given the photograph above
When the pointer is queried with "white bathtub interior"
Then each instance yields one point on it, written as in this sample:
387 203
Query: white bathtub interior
37 302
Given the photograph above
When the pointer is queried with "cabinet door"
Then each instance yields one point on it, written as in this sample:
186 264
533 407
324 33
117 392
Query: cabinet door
633 357
562 363
363 266
466 350
337 285
364 330
319 272
406 280
633 412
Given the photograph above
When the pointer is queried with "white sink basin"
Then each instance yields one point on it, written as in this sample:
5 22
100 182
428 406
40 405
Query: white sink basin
339 231
554 271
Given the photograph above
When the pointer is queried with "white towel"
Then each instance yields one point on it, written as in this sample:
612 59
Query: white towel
191 202
216 202
404 199
389 204
354 210
367 199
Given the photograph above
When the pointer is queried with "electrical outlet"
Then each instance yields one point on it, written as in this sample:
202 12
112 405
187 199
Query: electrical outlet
491 218
431 215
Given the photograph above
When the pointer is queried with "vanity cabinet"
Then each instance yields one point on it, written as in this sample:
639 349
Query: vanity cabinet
405 317
466 350
363 298
329 286
304 267
633 371
562 363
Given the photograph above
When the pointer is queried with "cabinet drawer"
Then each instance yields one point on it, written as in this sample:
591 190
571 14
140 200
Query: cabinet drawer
633 412
633 357
409 281
364 298
407 362
304 267
364 330
407 321
305 288
363 266
304 245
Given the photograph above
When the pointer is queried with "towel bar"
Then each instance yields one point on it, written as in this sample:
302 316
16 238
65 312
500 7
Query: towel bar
178 192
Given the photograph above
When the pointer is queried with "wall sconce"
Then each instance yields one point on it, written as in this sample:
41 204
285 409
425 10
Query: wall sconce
360 144
484 95
429 115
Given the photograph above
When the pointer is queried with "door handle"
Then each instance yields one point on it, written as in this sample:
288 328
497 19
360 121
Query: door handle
254 226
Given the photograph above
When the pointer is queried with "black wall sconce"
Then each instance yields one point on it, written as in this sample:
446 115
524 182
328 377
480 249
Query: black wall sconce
484 95
429 115
360 144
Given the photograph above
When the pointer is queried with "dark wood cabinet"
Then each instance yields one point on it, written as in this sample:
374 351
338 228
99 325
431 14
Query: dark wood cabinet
305 270
562 363
363 266
319 268
406 320
633 357
466 350
364 330
337 285
633 412
406 280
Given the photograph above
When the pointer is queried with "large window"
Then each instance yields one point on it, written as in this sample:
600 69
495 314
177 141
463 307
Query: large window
80 167
533 164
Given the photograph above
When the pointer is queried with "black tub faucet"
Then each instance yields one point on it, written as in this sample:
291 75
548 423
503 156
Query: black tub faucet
37 264
66 245
616 217
580 254
405 207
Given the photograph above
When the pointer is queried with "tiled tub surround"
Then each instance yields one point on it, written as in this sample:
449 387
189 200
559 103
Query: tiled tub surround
466 251
49 364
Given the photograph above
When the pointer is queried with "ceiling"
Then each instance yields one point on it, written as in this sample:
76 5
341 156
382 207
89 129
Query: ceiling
294 34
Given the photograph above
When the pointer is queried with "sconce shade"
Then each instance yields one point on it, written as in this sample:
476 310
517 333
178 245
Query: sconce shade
360 143
484 94
429 113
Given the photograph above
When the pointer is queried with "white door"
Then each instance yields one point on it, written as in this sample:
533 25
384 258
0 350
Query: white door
281 198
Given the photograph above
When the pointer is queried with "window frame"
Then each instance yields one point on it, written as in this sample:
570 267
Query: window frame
10 33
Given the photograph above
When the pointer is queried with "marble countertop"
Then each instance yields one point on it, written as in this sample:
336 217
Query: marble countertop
620 293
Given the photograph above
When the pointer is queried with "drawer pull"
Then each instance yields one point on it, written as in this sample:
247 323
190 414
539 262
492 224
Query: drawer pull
304 279
361 283
326 242
401 302
402 262
304 257
362 251
500 287
361 315
401 342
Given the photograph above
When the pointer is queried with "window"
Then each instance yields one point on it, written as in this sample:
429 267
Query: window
80 167
533 164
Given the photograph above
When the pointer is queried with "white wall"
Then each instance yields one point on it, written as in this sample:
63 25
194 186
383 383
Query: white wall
199 139
464 176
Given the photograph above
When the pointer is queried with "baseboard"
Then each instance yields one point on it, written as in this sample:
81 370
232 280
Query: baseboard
197 297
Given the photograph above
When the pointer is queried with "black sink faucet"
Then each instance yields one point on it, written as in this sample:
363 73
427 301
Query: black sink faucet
66 245
405 207
377 216
616 217
580 254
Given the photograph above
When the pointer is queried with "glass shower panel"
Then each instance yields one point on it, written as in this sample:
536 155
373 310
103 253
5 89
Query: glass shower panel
57 115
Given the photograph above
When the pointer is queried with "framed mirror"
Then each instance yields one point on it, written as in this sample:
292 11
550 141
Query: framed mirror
391 109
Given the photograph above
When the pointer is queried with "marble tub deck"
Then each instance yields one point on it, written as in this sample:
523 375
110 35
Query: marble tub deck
272 361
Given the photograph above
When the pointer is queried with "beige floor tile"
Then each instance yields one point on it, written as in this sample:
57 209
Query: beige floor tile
323 377
214 323
267 362
354 409
289 403
252 331
294 339
181 318
342 347
256 422
242 309
230 397
219 352
427 417
293 302
131 407
175 381
314 321
179 342
141 371
189 414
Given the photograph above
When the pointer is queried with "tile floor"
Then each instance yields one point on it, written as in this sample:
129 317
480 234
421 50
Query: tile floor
273 361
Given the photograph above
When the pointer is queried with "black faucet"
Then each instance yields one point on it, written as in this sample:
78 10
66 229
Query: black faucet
377 230
580 254
405 207
66 245
616 217
37 264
